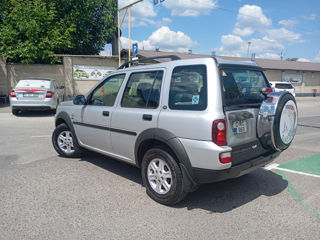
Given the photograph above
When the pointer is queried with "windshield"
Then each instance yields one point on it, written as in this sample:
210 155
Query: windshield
243 86
34 84
284 86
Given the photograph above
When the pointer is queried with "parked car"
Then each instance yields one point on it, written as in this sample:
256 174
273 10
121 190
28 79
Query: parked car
183 122
283 86
36 94
80 74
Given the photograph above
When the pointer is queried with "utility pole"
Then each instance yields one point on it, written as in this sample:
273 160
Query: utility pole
114 41
127 9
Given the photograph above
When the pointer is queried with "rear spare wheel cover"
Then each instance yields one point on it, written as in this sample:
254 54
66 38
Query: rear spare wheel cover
288 122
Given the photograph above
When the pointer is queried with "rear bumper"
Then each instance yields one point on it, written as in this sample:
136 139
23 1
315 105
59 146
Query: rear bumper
208 176
45 104
33 108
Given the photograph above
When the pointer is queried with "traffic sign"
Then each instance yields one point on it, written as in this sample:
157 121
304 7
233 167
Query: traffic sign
155 2
135 49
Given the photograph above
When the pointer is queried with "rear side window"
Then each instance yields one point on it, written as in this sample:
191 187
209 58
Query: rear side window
284 86
243 86
188 89
143 90
34 84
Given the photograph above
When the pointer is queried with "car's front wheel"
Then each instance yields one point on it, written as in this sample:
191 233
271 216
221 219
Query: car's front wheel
162 176
64 142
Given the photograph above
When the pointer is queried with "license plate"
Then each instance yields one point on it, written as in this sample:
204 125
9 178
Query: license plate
239 127
29 95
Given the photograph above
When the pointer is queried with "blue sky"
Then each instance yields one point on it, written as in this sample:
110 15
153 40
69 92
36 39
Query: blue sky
226 26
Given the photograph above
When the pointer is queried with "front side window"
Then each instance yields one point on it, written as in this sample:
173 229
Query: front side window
243 86
106 93
143 90
188 89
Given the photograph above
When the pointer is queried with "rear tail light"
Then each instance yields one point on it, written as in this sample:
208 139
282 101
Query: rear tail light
12 93
49 94
225 157
266 90
219 132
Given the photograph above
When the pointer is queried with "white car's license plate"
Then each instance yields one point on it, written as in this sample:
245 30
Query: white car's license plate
239 127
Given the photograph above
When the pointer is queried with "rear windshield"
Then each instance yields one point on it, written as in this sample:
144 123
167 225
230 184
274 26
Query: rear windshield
34 84
242 86
284 86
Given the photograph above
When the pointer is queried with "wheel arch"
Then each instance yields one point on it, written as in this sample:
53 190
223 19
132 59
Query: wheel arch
63 117
159 137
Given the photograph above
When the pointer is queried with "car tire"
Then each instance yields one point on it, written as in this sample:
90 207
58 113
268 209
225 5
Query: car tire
162 176
15 111
64 142
283 141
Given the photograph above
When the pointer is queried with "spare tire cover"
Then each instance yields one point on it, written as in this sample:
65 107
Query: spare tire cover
277 121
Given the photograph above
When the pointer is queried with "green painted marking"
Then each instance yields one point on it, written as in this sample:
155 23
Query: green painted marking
308 165
296 196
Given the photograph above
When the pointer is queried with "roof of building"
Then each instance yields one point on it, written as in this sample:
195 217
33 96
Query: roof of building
266 64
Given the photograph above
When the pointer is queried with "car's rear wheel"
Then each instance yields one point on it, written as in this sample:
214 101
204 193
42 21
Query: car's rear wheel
15 111
64 142
162 176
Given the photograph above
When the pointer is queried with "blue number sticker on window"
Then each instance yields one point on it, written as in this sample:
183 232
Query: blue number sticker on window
195 99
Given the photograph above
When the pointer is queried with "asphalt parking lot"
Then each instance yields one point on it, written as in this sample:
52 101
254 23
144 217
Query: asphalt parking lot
44 196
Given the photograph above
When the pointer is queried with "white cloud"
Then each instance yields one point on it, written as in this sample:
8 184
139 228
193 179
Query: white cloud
164 39
268 55
140 12
317 58
254 27
191 8
303 60
250 19
283 34
288 23
265 45
167 38
164 22
311 17
232 45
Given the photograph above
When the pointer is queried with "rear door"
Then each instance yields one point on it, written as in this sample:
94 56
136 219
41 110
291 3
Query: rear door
242 100
138 110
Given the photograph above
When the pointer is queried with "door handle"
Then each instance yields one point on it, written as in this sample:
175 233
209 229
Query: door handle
147 117
105 113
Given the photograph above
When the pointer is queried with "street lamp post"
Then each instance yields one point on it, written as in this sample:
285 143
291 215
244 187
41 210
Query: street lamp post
128 9
248 48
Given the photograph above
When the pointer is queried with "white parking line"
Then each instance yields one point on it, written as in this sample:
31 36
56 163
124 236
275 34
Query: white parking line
41 136
275 166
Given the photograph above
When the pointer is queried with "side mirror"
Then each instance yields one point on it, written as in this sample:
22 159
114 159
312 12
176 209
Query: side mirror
79 100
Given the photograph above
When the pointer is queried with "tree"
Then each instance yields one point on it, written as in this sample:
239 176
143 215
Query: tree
33 31
292 59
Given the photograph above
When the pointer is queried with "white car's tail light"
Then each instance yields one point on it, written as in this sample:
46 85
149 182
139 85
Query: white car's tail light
49 94
12 93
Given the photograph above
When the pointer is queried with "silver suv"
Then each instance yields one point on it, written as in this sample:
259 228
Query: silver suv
183 122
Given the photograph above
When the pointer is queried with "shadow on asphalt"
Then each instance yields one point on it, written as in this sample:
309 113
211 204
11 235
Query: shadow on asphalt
31 114
214 197
112 165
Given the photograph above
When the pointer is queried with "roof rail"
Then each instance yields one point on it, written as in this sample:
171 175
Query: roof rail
172 57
